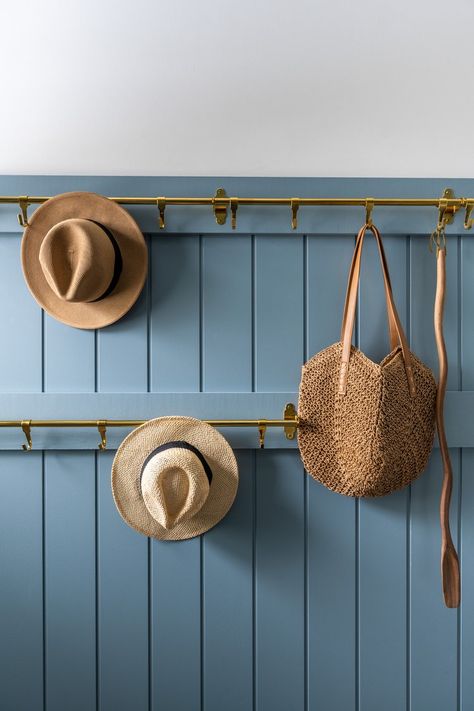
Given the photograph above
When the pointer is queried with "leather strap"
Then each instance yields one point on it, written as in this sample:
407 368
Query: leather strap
393 336
397 335
450 574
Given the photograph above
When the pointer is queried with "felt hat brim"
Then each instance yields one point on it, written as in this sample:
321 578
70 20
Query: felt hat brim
136 448
130 242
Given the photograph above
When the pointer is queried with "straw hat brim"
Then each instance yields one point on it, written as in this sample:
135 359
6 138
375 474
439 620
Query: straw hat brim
141 442
129 239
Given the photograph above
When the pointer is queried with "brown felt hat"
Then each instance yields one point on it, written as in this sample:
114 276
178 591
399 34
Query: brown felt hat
174 478
84 259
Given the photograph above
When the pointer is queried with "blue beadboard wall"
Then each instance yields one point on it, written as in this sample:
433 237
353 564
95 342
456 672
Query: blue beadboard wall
301 599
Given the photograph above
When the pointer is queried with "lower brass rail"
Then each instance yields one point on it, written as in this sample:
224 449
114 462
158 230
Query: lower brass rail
289 422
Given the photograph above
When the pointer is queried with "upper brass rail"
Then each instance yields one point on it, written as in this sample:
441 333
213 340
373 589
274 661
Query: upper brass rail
221 203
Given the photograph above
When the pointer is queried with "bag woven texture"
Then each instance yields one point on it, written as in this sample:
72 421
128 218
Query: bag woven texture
366 428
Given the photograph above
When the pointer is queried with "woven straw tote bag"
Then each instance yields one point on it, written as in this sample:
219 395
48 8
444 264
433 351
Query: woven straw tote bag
366 428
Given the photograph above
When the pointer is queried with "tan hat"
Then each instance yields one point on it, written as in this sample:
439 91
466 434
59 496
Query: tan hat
84 259
174 478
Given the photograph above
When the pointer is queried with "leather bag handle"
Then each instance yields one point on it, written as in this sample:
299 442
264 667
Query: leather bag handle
395 326
393 335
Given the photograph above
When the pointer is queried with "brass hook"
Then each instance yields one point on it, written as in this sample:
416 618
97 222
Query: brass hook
161 204
294 205
234 204
23 215
438 239
26 427
446 214
369 206
446 211
102 427
262 430
468 220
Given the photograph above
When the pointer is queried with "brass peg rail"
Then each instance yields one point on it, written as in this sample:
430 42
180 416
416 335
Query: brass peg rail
289 423
221 204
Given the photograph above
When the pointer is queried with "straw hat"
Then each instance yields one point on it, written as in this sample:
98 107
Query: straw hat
84 259
174 478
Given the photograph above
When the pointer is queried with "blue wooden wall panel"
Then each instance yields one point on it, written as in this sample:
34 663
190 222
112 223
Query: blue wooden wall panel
122 604
69 363
226 313
300 598
433 629
21 502
69 521
174 313
382 523
70 581
279 584
331 519
123 608
21 362
228 560
122 351
175 574
279 312
466 554
21 586
466 482
278 354
226 588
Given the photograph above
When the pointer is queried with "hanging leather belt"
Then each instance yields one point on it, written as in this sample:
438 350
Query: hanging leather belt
450 575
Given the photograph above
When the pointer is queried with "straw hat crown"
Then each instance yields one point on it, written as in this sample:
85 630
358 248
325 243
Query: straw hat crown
174 478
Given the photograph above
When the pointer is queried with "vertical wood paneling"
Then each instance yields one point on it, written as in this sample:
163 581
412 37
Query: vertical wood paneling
466 545
175 567
175 313
69 358
227 550
123 624
21 587
122 562
227 309
21 512
20 319
279 313
123 352
279 551
434 642
279 344
300 598
382 521
70 593
227 603
433 627
466 555
70 581
331 518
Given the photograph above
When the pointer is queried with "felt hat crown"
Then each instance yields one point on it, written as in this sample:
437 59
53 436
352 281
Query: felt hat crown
78 259
174 478
84 259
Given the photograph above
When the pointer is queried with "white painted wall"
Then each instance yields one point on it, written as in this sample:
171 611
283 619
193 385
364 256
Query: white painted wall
256 87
